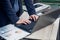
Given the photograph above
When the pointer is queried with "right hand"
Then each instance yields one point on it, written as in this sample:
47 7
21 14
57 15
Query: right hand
23 21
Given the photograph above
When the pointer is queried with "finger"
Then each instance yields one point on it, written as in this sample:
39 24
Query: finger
28 21
37 18
25 23
30 17
34 18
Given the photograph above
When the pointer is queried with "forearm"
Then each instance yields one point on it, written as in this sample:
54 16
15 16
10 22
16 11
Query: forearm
30 7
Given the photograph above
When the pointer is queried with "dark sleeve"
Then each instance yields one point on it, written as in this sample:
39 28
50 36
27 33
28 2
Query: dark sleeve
20 6
30 7
6 6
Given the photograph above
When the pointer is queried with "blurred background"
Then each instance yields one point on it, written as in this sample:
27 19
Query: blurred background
53 3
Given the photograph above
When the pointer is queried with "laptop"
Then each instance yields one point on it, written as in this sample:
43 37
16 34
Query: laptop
11 32
43 21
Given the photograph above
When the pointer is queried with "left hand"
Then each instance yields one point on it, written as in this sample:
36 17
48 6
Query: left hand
34 17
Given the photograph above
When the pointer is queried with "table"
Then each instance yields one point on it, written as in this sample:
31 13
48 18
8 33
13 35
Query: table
47 33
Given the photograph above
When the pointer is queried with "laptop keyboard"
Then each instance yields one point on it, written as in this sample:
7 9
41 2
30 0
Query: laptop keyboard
28 27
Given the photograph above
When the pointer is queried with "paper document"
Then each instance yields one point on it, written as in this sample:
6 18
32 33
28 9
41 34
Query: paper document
10 32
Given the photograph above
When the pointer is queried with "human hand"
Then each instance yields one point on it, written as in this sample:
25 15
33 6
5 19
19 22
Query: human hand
34 17
23 21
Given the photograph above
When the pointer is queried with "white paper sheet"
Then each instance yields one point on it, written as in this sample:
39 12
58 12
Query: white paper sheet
11 32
